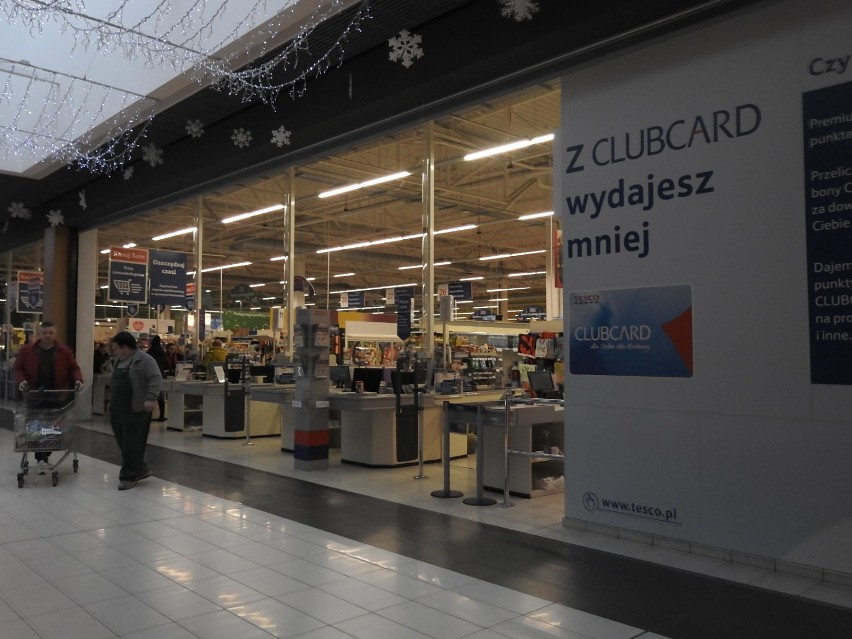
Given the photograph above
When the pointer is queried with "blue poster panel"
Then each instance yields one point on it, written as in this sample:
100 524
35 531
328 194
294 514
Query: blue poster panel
30 292
461 290
828 220
634 332
128 274
167 276
403 313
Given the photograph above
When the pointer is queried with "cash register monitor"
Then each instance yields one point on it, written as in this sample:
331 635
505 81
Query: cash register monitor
541 382
340 376
372 378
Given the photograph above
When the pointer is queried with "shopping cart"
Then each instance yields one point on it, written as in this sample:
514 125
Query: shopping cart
45 423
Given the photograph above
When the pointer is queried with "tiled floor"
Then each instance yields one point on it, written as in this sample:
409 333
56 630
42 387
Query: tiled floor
227 540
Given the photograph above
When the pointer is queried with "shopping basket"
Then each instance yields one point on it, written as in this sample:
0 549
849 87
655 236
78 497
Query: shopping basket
46 422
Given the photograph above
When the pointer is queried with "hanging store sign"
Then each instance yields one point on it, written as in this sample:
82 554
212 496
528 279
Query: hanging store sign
352 300
189 297
461 290
403 313
532 312
30 292
167 278
128 274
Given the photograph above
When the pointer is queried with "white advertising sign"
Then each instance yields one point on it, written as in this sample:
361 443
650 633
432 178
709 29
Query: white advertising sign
681 164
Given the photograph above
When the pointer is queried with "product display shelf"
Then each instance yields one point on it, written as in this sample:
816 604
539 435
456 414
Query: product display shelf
484 370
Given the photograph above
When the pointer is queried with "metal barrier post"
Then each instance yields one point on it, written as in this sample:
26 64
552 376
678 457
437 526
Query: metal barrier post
446 492
480 499
507 420
247 407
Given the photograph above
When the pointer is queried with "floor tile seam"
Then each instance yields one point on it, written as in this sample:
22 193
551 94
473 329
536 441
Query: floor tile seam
275 475
479 628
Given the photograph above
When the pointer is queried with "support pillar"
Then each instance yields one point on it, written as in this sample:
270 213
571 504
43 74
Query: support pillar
310 398
58 282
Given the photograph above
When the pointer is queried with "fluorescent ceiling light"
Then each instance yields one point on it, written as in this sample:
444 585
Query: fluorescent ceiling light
405 268
526 274
499 299
105 251
492 306
515 288
373 288
164 236
278 258
533 216
256 285
310 279
266 299
471 279
344 275
506 255
129 245
511 146
464 227
254 308
225 266
365 184
388 240
243 216
464 301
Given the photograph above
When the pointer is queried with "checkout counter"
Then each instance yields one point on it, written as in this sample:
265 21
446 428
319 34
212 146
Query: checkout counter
222 410
371 433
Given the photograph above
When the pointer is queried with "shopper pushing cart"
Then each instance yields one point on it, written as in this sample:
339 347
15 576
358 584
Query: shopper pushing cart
46 364
46 423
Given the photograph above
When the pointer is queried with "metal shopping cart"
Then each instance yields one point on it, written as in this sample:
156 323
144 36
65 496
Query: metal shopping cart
46 422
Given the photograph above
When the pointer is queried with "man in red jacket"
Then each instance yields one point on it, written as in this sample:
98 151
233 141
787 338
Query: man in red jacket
46 365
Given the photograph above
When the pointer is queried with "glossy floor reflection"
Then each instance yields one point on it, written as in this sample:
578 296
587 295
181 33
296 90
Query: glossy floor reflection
213 548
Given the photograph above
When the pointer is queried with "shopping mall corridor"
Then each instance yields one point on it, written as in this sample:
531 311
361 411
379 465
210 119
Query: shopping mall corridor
209 548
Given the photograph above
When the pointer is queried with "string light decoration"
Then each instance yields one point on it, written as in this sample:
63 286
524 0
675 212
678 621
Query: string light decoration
210 41
73 125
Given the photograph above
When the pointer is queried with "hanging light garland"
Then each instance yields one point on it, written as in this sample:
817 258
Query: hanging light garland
190 39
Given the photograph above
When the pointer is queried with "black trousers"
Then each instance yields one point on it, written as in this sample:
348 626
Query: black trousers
131 434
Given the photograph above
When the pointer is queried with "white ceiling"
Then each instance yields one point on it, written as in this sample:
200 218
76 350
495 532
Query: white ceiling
85 70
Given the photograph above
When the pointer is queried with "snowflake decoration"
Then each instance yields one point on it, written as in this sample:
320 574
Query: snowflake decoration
280 137
82 199
194 128
405 48
152 154
518 9
128 173
241 138
55 217
17 209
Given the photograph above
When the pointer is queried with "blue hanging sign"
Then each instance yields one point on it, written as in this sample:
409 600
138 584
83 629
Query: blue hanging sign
167 278
30 292
403 313
128 274
461 290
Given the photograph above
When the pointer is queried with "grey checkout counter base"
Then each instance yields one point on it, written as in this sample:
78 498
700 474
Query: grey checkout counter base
368 427
532 428
264 418
372 434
